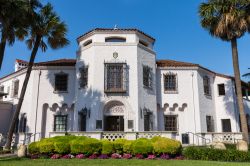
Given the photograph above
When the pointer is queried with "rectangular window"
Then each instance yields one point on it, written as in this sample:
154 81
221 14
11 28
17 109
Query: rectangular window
221 89
83 77
115 77
170 82
23 123
61 82
206 85
170 123
98 124
147 77
210 123
16 88
130 124
226 125
60 123
1 90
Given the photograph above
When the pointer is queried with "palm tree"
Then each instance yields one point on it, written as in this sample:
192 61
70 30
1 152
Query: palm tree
228 20
46 29
14 17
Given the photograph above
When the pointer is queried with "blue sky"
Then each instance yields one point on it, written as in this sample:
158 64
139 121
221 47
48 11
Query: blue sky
174 25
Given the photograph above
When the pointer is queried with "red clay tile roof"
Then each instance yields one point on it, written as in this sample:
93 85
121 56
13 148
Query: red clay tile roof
113 30
172 63
59 62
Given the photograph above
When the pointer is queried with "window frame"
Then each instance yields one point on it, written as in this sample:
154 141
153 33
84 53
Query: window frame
173 129
115 39
108 81
65 123
55 84
16 88
148 84
210 123
2 90
206 86
219 90
170 89
83 80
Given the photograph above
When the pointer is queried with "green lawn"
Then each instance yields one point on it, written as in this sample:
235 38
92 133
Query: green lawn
110 162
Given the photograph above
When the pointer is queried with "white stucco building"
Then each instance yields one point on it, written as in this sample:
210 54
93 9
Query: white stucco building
116 88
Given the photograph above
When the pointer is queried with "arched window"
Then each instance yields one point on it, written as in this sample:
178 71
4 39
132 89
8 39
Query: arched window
143 43
88 42
115 39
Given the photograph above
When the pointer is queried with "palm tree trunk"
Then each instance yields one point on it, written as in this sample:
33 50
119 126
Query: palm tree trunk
2 49
24 87
239 90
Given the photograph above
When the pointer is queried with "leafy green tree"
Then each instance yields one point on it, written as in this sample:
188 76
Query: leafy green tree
14 18
229 20
46 30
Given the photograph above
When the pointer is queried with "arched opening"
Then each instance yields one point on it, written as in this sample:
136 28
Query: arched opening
114 116
115 39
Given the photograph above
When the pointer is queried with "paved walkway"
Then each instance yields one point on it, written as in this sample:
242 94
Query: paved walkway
8 155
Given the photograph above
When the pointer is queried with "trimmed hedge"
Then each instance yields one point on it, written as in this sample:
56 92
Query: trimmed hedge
88 146
142 146
202 153
107 147
166 146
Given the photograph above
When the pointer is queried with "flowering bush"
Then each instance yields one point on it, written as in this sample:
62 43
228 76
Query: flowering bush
151 157
164 156
139 156
127 156
55 156
34 156
80 156
67 156
93 156
116 156
103 156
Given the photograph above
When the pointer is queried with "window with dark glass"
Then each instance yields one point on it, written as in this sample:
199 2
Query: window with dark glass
61 82
221 89
226 125
16 88
98 124
83 76
115 77
206 85
170 82
87 43
60 123
115 39
143 43
1 90
170 123
147 77
23 123
210 123
130 124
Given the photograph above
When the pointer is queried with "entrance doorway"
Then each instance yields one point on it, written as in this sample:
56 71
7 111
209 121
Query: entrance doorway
114 123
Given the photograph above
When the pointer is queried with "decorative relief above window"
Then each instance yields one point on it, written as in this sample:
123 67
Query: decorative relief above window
147 77
115 77
170 83
83 80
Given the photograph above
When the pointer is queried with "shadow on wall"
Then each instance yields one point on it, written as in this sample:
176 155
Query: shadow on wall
83 99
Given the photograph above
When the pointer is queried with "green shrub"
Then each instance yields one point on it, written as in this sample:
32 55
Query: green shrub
142 146
88 146
107 147
33 148
46 146
231 146
127 147
165 145
198 153
62 147
118 145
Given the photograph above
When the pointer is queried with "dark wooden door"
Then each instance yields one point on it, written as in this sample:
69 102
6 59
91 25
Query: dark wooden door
114 123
